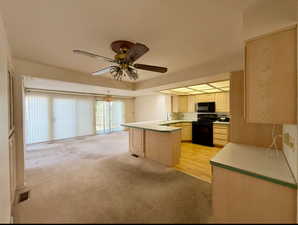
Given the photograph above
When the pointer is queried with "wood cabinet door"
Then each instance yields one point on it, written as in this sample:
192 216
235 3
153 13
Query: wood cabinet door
271 78
183 104
175 103
206 98
191 103
222 102
186 134
136 141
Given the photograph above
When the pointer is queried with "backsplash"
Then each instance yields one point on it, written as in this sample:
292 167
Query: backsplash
187 115
290 148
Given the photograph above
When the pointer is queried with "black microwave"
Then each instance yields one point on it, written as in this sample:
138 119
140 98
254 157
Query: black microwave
207 107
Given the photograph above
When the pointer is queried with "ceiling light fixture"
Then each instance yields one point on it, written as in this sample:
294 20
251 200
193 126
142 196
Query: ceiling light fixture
201 87
219 86
182 90
108 97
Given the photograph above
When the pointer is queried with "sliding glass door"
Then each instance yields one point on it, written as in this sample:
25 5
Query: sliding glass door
102 117
37 118
64 118
109 116
54 117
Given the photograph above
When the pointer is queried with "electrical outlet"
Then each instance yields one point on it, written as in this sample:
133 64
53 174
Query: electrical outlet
288 140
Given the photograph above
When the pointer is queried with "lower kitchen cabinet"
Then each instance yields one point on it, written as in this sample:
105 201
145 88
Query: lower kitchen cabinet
239 198
186 130
163 147
220 134
252 185
186 133
136 141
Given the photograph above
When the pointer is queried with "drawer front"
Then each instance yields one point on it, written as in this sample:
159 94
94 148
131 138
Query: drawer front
186 124
221 126
220 136
219 142
220 131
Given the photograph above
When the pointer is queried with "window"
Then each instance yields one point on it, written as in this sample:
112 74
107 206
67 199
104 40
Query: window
37 119
117 115
109 116
64 118
53 117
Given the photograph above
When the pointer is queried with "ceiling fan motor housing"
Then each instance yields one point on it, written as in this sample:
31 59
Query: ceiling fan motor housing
121 46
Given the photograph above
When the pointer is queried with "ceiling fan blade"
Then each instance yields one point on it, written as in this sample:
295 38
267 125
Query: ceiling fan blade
151 68
136 52
77 51
102 71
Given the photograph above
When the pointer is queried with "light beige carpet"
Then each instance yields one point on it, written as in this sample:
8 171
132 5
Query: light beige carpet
95 180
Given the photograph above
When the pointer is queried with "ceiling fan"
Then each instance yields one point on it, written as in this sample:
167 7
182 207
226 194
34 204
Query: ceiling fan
123 63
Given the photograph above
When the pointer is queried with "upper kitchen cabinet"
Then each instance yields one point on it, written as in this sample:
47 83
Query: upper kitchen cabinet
222 102
205 98
179 103
271 78
191 103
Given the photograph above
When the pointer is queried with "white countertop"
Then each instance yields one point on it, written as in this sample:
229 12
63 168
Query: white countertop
255 161
219 122
165 122
157 125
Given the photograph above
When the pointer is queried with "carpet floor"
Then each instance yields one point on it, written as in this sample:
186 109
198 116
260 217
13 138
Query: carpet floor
95 180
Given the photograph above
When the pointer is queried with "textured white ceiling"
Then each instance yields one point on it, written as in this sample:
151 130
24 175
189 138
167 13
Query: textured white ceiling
180 34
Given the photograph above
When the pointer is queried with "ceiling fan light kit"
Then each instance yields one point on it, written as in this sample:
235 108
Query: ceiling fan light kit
123 63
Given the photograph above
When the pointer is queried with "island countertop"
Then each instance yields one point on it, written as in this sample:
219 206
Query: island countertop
160 126
257 162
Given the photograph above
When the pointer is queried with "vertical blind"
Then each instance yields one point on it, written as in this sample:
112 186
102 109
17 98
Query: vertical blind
117 115
37 119
109 116
52 117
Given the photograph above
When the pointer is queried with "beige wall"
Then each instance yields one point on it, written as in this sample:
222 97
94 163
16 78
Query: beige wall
34 69
152 107
19 130
269 15
129 105
5 203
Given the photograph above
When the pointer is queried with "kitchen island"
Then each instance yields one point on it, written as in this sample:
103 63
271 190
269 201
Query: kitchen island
156 140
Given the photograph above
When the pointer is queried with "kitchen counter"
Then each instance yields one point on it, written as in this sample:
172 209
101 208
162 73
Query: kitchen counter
155 140
257 162
219 122
157 125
